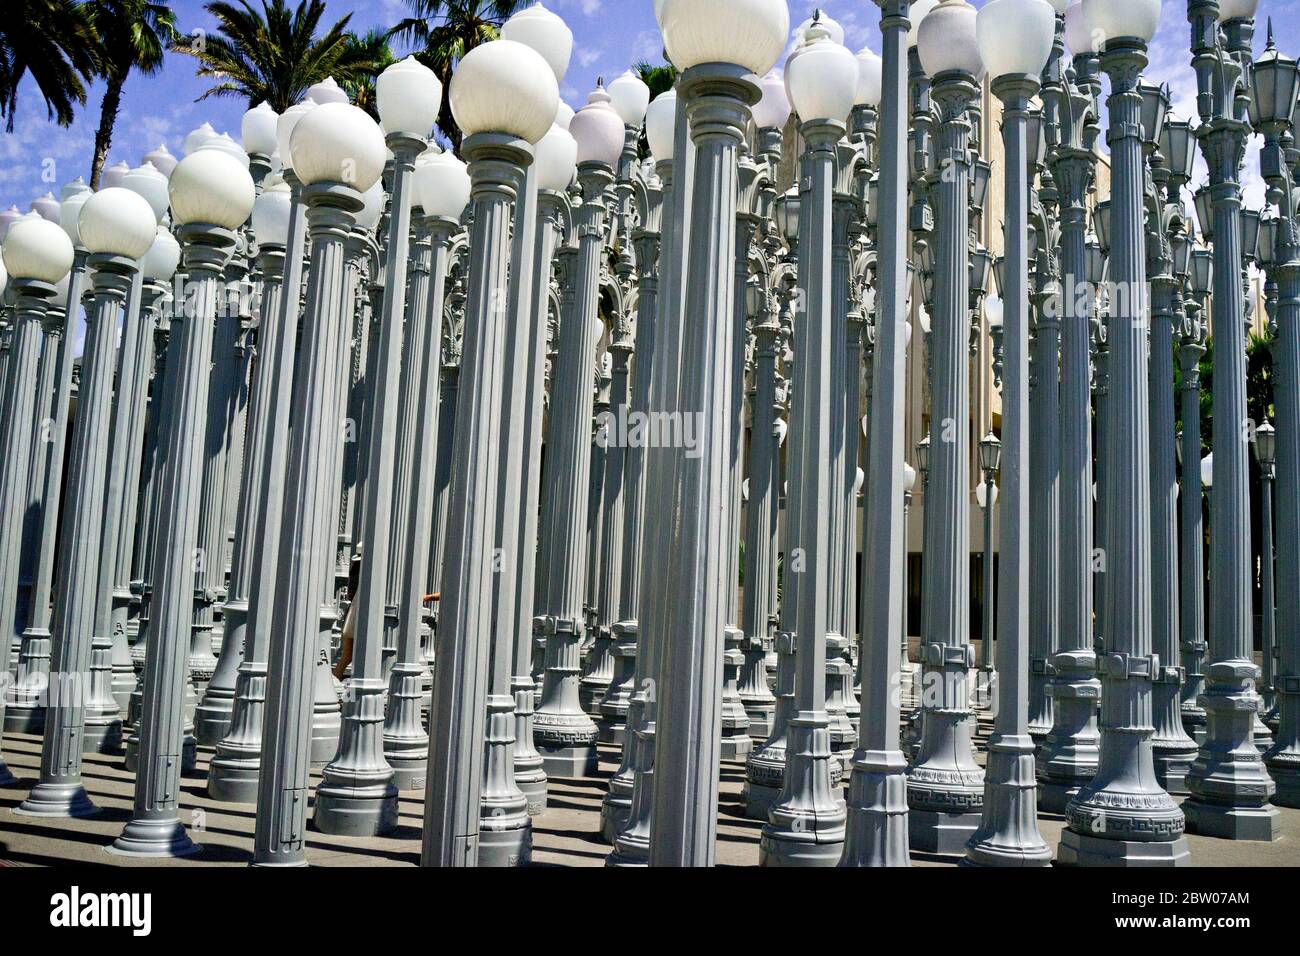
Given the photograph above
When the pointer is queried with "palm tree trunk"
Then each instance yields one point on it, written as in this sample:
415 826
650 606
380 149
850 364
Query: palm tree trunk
104 135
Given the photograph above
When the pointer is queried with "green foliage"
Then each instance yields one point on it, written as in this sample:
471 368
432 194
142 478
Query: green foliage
1259 387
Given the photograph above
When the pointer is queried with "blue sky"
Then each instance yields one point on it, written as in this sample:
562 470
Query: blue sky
610 35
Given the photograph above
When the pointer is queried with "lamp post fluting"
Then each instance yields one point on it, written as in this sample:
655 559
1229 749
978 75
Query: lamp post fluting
337 153
1229 785
806 824
44 254
498 148
1068 756
945 786
1122 815
876 832
1015 40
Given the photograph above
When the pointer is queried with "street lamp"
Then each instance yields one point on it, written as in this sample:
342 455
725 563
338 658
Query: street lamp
806 825
211 195
990 453
1015 40
37 255
1266 453
505 97
1122 813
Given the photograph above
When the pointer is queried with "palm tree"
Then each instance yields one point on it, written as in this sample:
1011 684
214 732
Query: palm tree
51 40
372 47
443 31
659 78
133 35
274 55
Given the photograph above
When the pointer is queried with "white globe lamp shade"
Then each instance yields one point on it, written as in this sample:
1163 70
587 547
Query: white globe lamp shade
629 96
545 32
556 159
821 77
1015 36
151 184
1058 6
47 207
37 249
829 23
782 429
981 494
661 125
916 14
327 91
563 115
70 215
164 256
372 208
285 126
61 289
1113 19
1207 471
257 130
408 94
773 108
504 87
74 188
744 489
162 159
225 144
442 185
870 69
859 478
947 40
271 215
598 130
1077 37
118 222
749 33
112 176
338 143
909 477
8 218
1236 9
210 186
197 138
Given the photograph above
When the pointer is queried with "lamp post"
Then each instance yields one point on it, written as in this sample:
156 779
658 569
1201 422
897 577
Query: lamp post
356 796
37 255
337 153
945 786
1122 815
806 825
564 734
234 770
1230 787
990 456
1266 453
1015 39
501 126
719 70
1068 755
211 196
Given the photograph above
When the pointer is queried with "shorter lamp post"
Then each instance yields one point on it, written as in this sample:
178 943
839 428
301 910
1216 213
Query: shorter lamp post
990 454
1266 453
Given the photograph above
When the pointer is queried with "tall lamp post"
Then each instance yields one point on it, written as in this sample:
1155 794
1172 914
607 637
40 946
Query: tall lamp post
1230 787
806 825
1015 40
1122 816
990 456
1266 453
504 96
945 786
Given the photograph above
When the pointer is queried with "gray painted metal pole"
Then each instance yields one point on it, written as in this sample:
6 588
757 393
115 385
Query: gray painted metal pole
59 792
461 678
876 833
1008 832
1122 816
155 828
308 528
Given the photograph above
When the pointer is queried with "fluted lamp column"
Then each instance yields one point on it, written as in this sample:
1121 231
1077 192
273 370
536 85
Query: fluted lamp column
1122 816
1015 39
37 254
945 786
337 153
211 197
504 96
806 825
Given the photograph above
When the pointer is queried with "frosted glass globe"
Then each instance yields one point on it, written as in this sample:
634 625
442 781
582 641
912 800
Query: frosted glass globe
504 87
338 143
37 249
118 222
